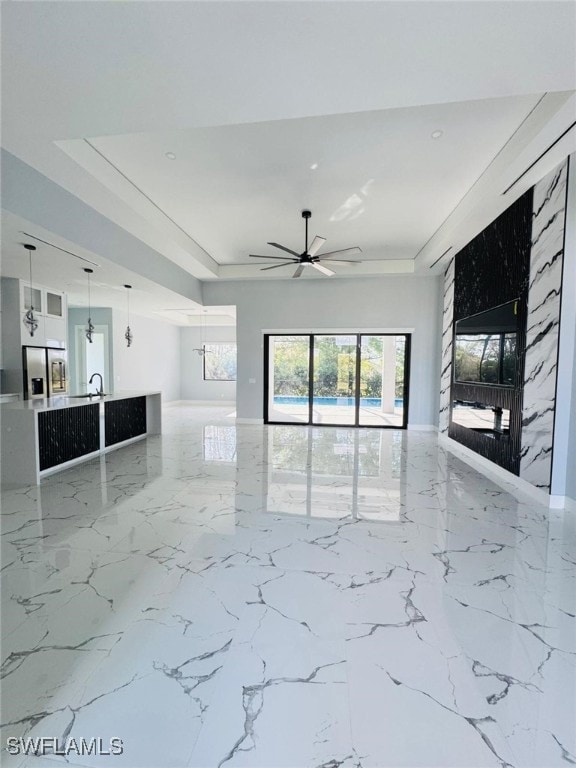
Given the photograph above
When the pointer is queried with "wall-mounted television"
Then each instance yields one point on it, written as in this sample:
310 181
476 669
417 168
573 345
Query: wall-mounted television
485 346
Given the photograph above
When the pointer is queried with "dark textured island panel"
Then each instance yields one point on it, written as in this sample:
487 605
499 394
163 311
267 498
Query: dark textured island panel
67 433
124 419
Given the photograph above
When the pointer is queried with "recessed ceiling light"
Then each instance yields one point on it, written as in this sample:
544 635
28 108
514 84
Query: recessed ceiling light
437 134
170 155
313 166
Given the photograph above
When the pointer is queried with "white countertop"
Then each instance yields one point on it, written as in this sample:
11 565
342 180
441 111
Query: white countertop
65 401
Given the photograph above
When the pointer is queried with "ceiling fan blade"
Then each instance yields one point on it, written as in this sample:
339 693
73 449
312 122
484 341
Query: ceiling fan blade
299 270
283 248
341 261
322 269
317 243
275 266
256 256
342 251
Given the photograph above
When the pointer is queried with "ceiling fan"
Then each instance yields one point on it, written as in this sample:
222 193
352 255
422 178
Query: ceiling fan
308 257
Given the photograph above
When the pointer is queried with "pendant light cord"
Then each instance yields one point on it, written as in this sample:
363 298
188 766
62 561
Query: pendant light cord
31 302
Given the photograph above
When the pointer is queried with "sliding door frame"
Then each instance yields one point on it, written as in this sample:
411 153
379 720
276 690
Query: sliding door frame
310 422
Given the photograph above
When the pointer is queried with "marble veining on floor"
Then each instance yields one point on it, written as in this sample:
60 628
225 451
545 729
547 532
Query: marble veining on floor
267 597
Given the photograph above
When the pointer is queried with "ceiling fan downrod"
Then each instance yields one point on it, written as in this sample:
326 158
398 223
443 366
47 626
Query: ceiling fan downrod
306 215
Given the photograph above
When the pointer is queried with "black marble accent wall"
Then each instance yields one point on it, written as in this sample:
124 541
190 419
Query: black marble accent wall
124 419
491 270
67 433
494 268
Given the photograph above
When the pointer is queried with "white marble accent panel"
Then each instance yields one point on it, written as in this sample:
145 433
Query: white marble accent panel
315 598
447 344
543 328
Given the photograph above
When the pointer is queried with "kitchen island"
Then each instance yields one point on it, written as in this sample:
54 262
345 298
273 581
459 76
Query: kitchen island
39 437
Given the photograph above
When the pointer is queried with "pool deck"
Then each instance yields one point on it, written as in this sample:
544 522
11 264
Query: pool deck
335 414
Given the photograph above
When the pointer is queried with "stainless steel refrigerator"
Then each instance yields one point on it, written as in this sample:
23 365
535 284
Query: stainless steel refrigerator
56 364
45 372
34 365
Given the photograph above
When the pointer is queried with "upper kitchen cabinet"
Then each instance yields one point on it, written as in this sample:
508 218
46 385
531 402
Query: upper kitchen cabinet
50 308
55 319
51 314
31 297
55 304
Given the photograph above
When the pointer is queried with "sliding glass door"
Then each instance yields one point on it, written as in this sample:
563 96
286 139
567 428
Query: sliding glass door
334 390
337 379
382 364
288 379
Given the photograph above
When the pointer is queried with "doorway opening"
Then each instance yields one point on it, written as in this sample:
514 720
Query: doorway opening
356 379
91 358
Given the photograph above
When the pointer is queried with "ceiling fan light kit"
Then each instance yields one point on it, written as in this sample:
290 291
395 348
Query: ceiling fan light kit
308 257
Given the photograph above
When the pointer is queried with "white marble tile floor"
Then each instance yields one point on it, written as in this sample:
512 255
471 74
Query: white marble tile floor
285 597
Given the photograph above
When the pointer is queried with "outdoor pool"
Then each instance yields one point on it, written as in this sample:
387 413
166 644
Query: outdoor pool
366 402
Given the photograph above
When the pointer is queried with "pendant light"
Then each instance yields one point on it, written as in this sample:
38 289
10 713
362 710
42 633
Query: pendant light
89 331
202 349
29 318
128 335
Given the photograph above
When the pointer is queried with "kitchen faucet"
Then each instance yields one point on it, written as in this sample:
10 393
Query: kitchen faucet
101 390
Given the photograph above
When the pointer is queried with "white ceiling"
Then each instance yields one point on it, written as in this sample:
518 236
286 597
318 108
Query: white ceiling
249 95
376 184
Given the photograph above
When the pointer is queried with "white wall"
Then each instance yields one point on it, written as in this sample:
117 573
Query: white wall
564 458
388 303
153 360
192 384
570 487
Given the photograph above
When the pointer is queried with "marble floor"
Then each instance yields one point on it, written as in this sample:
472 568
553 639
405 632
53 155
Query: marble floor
266 597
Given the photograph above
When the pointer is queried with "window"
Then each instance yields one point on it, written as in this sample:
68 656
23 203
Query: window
219 362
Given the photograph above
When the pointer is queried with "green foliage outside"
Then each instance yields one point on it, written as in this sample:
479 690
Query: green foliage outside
476 358
334 367
220 362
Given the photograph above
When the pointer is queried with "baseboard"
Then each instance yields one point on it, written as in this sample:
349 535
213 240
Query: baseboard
563 502
249 421
422 427
211 403
509 481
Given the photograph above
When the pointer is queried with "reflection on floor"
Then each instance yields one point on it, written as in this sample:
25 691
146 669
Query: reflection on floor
254 596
